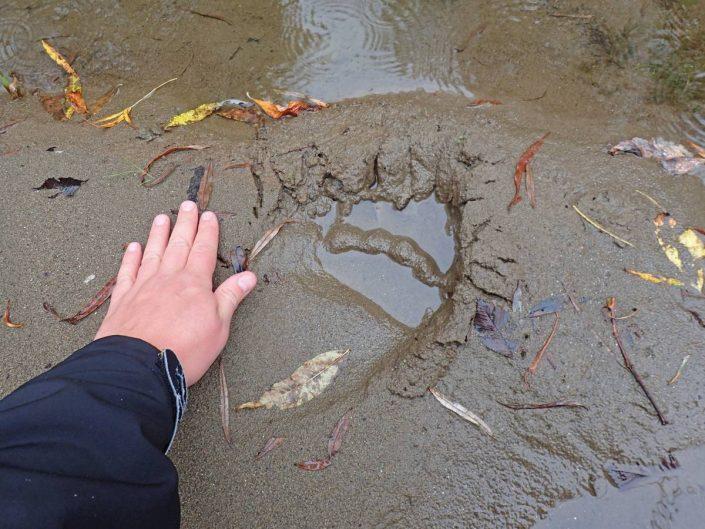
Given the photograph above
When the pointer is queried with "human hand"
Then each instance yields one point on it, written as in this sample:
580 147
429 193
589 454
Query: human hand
165 296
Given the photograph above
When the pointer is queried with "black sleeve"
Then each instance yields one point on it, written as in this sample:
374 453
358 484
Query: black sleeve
83 445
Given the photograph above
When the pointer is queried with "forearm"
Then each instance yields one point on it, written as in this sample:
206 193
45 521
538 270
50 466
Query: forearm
83 445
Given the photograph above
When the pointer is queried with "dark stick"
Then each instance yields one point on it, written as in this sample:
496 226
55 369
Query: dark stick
611 305
542 405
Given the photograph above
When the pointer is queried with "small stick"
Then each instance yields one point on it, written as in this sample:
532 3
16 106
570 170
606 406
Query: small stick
600 227
568 15
531 370
611 304
678 374
651 199
542 405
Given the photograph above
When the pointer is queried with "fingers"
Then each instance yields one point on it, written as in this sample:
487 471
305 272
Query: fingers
154 249
127 274
202 258
181 240
231 293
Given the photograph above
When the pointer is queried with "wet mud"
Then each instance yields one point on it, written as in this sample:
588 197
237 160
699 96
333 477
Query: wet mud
400 199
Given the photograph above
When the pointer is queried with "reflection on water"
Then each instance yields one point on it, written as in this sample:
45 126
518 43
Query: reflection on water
661 500
347 48
397 259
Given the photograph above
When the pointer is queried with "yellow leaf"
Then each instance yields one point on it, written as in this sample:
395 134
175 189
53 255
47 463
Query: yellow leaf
58 58
308 381
693 243
199 113
655 278
124 115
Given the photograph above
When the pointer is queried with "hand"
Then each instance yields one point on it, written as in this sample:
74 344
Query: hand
165 296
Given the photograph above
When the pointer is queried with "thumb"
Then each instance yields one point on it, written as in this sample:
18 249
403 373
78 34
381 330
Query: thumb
231 293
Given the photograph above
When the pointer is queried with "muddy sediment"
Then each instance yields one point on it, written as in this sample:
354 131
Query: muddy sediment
406 462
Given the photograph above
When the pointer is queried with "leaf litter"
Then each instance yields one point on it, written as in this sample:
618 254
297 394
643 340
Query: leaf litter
462 411
164 154
125 115
307 382
600 227
679 373
533 367
293 108
73 93
6 318
11 85
335 441
656 279
675 159
228 108
94 304
267 238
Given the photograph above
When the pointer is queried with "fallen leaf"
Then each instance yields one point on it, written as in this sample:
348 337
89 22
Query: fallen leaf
478 102
549 305
125 114
195 183
701 280
7 126
654 278
271 444
307 382
335 439
461 410
67 186
205 188
104 99
625 477
94 304
6 318
314 464
521 166
224 401
488 321
293 108
199 113
73 93
674 158
167 152
693 243
240 114
699 150
54 105
267 237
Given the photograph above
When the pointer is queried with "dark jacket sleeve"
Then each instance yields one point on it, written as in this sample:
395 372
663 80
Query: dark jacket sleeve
83 445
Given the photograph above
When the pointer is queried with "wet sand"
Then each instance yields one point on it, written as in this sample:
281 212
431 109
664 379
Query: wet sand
406 461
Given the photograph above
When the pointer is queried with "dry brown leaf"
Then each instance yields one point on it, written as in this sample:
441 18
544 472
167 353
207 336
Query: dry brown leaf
248 115
6 318
54 105
293 108
462 411
104 99
224 401
205 188
335 440
307 382
267 237
314 464
271 444
167 152
94 304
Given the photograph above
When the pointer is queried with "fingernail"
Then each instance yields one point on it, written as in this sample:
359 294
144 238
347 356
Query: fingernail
187 205
133 247
246 281
208 216
160 220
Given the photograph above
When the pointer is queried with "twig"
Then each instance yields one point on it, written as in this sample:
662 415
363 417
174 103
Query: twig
600 227
207 15
611 304
531 370
568 15
678 374
542 405
651 199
